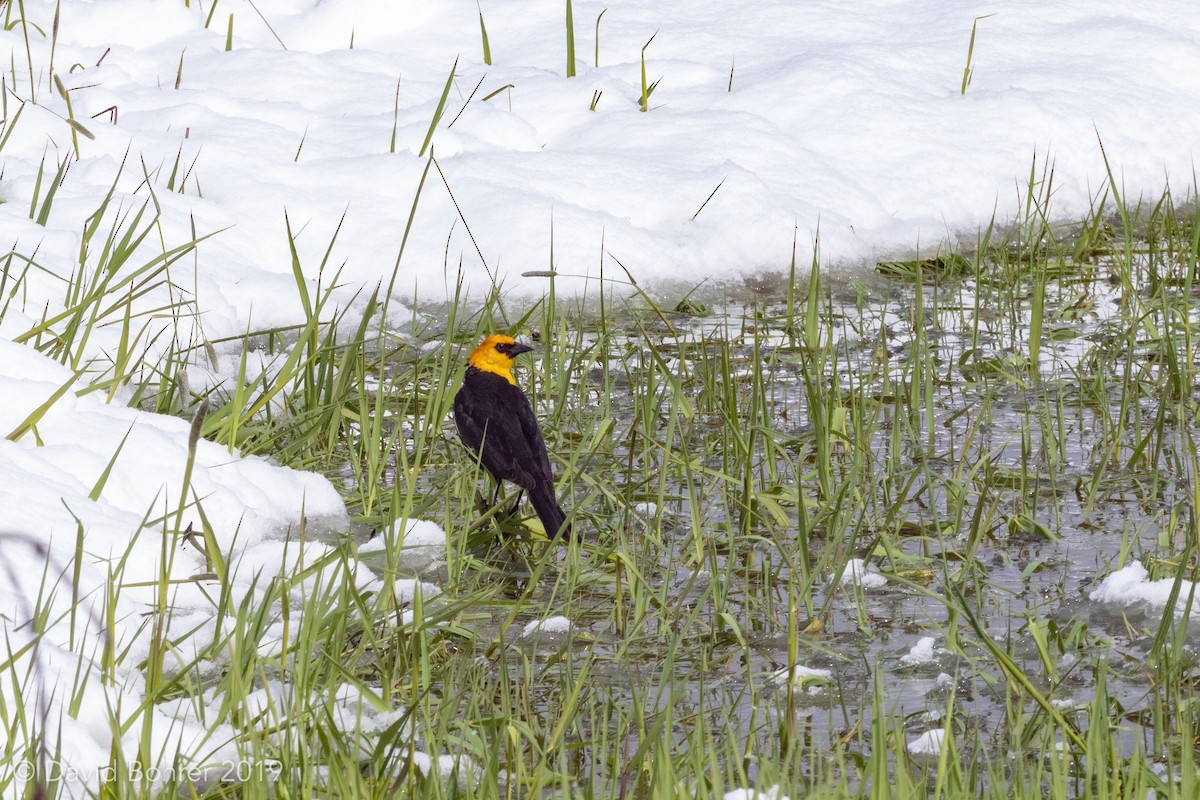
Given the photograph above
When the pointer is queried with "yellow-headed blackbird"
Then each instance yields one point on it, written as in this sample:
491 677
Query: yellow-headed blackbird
496 422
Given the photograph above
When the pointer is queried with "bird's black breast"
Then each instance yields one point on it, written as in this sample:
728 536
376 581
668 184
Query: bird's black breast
496 421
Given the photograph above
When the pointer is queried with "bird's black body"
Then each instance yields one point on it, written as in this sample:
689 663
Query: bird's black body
496 422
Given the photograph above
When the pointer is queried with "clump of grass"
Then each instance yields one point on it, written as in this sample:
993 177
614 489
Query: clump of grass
103 290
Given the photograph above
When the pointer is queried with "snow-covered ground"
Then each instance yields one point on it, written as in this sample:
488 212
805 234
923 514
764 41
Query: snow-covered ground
845 119
849 119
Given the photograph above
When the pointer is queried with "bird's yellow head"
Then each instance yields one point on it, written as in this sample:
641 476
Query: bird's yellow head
496 355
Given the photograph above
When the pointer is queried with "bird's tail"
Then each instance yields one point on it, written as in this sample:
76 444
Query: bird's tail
549 511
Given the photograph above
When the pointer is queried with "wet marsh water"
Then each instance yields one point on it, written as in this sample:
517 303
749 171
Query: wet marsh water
727 469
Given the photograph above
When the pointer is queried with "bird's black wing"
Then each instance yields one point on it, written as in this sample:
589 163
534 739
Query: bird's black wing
470 418
539 459
541 480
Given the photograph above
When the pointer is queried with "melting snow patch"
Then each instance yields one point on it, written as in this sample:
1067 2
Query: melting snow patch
1067 703
459 769
928 743
554 626
407 590
646 510
923 652
859 573
419 545
1131 585
774 793
803 677
860 172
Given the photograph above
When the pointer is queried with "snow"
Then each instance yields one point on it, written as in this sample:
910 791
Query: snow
928 743
419 544
553 626
459 772
923 652
1131 585
847 125
859 573
802 677
811 120
771 793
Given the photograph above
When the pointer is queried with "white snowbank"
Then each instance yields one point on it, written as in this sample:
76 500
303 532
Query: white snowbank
55 498
807 117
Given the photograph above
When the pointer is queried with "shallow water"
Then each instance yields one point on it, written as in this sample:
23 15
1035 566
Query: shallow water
1013 490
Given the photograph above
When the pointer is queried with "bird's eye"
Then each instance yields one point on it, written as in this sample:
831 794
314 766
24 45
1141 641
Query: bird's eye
503 348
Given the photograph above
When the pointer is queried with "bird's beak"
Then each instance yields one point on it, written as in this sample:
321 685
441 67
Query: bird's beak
518 348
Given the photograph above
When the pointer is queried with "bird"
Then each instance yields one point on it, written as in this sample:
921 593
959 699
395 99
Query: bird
496 422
